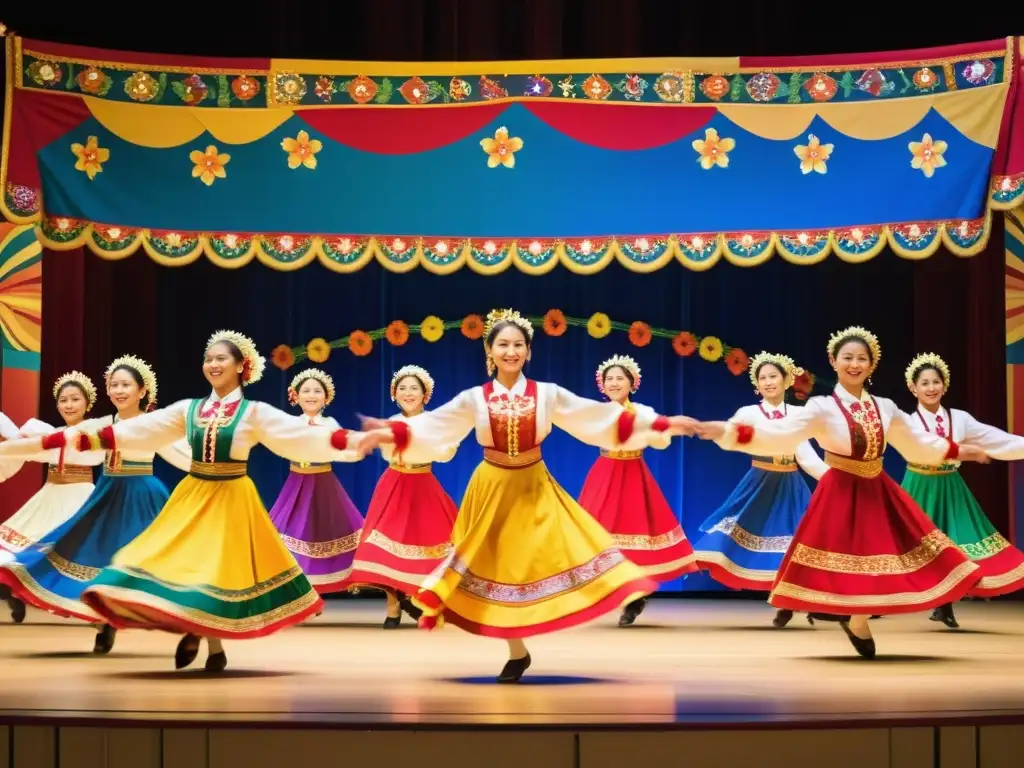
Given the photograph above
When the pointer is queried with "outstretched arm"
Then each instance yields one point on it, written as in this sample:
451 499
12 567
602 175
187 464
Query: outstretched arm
921 447
297 440
1000 445
609 425
148 432
772 438
429 437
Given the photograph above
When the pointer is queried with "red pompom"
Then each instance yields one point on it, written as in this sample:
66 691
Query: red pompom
661 424
56 440
107 440
953 452
339 439
744 434
625 426
400 432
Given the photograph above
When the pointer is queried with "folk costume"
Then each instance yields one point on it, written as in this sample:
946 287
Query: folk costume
316 519
623 496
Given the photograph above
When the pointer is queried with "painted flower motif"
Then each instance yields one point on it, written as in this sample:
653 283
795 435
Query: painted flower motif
289 88
711 349
397 333
763 86
492 89
245 87
712 150
282 357
737 362
813 155
459 89
821 87
415 90
599 325
361 89
554 322
359 343
90 157
324 89
714 87
639 334
670 87
192 90
501 149
979 72
473 327
538 86
597 88
318 350
209 165
140 87
874 82
927 155
302 150
91 80
924 79
633 87
432 328
45 73
684 344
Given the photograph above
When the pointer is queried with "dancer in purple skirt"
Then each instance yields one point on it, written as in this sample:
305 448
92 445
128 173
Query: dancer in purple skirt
317 520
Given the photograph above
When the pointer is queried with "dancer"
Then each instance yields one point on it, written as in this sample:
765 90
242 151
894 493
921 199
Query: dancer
745 538
623 496
52 574
317 520
69 477
408 529
211 564
527 558
863 547
944 496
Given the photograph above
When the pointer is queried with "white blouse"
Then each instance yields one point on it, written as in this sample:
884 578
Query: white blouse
824 421
348 456
27 449
967 430
435 434
387 450
806 457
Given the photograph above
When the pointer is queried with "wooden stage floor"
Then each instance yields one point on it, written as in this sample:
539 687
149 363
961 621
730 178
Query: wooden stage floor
687 663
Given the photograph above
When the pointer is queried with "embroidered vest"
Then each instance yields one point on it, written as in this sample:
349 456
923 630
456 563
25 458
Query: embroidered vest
513 418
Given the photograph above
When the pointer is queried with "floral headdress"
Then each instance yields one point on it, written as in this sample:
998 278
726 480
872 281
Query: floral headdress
253 363
625 362
927 360
786 364
142 368
856 332
82 381
420 373
496 316
311 373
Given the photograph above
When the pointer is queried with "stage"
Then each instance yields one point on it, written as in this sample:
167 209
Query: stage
693 665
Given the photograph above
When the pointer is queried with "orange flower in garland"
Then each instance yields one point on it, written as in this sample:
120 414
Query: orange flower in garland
473 327
359 343
737 361
318 350
554 322
282 357
684 344
397 333
640 334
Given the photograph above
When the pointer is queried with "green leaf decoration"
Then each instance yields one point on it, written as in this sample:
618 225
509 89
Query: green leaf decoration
796 85
437 91
737 86
179 89
846 83
386 91
105 86
907 84
70 83
161 87
783 92
223 91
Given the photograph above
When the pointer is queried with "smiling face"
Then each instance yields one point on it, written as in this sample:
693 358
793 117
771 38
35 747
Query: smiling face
222 367
928 387
771 382
126 391
618 384
312 397
509 349
409 394
853 364
72 403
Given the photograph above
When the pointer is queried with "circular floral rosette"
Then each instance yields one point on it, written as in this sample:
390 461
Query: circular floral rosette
47 74
141 87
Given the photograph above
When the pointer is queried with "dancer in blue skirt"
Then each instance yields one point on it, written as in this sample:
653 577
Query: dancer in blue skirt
746 538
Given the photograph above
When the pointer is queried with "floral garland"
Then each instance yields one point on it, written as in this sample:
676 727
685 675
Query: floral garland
554 323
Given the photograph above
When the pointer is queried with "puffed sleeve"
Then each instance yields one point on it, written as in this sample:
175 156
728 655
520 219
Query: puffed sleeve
809 460
178 454
348 455
654 439
148 432
1000 445
297 440
916 447
779 437
8 431
433 436
604 425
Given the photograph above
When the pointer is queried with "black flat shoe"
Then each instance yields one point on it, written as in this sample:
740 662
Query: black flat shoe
17 609
632 611
782 618
406 604
186 652
944 614
392 622
216 662
104 640
865 647
514 669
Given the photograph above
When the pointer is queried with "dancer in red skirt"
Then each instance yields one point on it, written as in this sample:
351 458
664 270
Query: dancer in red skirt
864 547
408 527
622 494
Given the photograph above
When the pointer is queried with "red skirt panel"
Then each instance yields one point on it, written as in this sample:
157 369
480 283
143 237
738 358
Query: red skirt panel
407 533
865 547
622 495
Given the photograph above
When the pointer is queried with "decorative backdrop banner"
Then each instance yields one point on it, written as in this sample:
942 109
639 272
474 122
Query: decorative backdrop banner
493 164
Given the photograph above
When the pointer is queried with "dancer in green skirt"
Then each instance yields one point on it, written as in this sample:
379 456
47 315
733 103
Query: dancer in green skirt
942 493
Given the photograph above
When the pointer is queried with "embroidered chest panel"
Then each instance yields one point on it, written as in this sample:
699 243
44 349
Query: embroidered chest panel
513 418
211 428
867 434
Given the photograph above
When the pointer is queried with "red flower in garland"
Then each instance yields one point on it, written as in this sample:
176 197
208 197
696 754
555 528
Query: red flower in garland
737 361
554 322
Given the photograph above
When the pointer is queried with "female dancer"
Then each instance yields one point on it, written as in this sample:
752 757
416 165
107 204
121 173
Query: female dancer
526 557
624 497
317 520
408 527
745 538
68 477
52 573
864 547
211 564
944 496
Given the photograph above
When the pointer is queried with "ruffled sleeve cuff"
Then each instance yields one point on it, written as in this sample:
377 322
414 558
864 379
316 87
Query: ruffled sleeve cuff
103 440
339 439
953 451
401 434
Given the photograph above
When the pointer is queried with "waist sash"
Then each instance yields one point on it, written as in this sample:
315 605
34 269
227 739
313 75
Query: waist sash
218 470
867 469
774 463
128 469
948 468
411 469
72 473
305 468
523 459
623 455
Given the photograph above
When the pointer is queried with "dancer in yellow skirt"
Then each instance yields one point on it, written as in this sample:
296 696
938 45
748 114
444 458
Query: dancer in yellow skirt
527 559
211 564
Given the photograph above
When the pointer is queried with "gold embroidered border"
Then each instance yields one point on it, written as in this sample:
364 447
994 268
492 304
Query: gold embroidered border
408 551
523 459
411 469
937 469
623 455
220 593
72 570
750 541
69 475
773 466
868 469
327 578
218 469
51 598
657 570
875 565
369 567
723 562
311 469
16 540
645 543
322 549
996 582
990 545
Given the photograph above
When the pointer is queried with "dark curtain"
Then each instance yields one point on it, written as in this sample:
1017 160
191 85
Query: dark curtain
94 310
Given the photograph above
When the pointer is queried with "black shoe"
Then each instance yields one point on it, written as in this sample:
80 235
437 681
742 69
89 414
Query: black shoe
17 609
104 640
514 669
944 613
216 662
186 652
865 648
392 622
782 618
632 611
406 604
810 619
